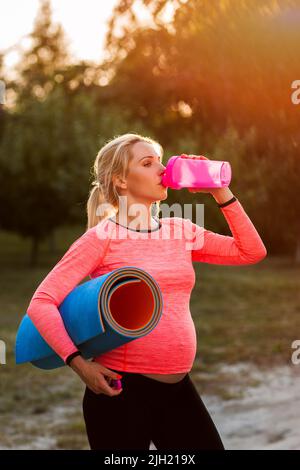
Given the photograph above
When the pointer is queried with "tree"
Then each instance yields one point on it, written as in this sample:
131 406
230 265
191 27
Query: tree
46 144
47 56
228 64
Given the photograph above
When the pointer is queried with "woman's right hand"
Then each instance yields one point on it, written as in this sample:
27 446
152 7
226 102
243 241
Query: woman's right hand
94 376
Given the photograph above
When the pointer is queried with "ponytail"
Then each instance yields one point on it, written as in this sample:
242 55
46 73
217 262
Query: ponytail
95 202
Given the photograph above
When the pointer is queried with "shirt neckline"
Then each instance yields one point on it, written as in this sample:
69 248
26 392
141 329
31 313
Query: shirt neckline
141 230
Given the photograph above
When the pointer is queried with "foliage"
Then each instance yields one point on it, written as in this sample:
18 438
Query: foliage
214 80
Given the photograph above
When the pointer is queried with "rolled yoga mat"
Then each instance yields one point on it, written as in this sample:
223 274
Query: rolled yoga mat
99 315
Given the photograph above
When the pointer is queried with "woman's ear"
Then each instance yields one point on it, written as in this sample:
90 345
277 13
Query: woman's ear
120 182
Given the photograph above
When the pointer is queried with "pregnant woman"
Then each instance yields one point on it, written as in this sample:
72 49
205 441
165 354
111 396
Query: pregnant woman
158 401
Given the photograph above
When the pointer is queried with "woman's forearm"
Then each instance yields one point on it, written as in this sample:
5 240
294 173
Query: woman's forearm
221 195
244 247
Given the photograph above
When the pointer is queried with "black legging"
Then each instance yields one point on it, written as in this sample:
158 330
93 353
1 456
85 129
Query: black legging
172 416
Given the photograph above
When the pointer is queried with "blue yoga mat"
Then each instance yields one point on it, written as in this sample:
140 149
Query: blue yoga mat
99 315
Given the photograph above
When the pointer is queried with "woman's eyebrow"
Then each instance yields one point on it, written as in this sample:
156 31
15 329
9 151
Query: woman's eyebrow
149 156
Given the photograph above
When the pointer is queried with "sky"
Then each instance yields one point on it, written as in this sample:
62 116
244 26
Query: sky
84 22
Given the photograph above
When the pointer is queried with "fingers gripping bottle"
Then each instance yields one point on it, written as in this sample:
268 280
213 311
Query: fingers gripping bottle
196 173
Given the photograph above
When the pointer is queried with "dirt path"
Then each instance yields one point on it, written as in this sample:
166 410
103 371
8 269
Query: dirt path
266 416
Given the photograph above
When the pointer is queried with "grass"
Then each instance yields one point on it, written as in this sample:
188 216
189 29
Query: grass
246 313
241 313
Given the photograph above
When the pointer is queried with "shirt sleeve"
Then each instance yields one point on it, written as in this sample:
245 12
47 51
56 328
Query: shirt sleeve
82 257
244 247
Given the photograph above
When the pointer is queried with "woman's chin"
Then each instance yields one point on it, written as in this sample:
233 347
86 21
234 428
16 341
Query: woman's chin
161 193
164 193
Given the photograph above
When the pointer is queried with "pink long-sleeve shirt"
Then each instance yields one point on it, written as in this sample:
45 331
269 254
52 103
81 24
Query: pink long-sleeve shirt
166 253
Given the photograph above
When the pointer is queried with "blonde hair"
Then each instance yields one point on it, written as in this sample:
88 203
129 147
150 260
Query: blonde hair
112 160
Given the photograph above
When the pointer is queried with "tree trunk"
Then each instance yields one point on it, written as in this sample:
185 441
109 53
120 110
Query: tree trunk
52 243
34 252
297 254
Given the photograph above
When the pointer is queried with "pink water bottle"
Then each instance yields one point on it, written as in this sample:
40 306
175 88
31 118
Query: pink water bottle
196 173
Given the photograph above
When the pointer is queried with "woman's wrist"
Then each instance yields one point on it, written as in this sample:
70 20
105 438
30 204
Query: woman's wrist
77 363
71 356
222 195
